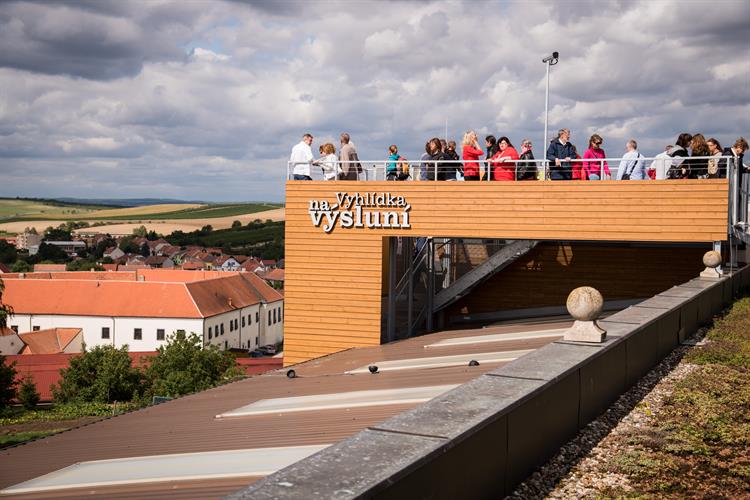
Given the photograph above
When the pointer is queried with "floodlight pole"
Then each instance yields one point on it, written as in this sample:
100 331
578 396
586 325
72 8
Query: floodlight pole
550 60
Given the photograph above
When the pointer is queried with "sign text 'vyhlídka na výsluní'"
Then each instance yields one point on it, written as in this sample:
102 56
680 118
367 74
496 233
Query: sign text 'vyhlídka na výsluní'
370 210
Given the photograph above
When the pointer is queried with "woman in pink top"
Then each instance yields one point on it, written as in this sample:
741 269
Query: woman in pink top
593 169
502 169
470 153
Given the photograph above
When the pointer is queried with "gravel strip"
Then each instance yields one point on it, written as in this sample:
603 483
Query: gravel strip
572 472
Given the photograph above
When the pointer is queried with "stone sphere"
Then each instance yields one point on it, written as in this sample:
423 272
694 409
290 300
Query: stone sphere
712 259
585 303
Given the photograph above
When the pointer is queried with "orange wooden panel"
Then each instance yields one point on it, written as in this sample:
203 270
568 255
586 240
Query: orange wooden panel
334 281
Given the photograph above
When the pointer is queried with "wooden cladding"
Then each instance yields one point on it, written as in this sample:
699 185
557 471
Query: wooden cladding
546 275
334 280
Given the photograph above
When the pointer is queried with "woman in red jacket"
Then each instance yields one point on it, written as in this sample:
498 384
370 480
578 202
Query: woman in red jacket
502 168
470 153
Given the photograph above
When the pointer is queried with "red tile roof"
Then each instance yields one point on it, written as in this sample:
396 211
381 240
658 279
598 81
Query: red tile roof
100 298
48 267
51 341
4 268
150 293
274 275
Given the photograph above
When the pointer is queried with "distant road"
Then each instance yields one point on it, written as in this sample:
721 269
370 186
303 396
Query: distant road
164 227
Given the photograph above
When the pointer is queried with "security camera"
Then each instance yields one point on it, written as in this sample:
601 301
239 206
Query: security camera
552 60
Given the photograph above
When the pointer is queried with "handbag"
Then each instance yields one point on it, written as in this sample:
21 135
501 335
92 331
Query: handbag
626 175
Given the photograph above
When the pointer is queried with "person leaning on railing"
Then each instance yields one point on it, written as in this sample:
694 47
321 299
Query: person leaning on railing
526 169
470 153
328 162
698 167
678 169
594 170
632 167
437 158
717 167
559 154
350 165
301 159
502 168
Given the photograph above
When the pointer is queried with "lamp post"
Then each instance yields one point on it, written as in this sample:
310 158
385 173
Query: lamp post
550 60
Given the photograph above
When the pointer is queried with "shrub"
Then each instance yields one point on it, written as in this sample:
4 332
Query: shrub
7 382
103 375
184 366
28 396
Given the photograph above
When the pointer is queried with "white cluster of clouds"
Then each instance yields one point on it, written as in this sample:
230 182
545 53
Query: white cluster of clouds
204 99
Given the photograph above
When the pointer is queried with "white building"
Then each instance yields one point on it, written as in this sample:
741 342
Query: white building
238 310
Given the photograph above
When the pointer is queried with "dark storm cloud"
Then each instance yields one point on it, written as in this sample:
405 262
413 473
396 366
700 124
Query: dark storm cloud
203 100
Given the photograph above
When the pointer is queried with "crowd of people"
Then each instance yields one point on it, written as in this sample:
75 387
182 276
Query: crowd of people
692 156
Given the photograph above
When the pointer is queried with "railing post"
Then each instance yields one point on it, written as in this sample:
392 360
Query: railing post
410 294
430 281
601 170
391 323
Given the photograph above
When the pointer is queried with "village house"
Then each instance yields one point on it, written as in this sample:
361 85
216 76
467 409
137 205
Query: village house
141 309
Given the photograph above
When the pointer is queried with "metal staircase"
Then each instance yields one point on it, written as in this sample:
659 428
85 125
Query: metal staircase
426 275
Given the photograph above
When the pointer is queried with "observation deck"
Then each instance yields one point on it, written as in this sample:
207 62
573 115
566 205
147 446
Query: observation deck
340 236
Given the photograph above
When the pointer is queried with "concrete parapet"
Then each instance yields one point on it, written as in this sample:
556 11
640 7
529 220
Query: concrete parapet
483 438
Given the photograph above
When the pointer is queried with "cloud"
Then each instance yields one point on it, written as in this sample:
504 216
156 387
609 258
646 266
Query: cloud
203 100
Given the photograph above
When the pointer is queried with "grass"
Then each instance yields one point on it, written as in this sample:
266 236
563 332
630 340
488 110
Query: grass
18 416
27 209
697 445
20 437
29 212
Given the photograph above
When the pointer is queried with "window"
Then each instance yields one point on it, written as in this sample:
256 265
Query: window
269 318
231 325
243 322
257 316
222 328
35 328
209 333
160 334
236 324
105 332
14 328
137 334
249 319
256 340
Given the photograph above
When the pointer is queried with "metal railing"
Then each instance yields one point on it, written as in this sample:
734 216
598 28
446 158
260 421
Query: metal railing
518 170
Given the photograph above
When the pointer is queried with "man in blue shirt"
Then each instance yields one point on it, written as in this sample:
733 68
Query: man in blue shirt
559 154
631 165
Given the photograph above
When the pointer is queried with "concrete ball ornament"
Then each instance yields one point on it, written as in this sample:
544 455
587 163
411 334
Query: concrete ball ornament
585 303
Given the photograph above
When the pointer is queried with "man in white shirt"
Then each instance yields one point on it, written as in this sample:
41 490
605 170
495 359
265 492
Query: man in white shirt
631 166
301 158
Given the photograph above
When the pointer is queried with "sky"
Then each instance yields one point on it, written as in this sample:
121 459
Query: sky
203 100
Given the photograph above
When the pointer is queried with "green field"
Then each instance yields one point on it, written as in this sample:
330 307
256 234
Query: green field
17 209
31 210
203 212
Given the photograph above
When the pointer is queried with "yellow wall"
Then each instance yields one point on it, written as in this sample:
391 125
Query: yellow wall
333 281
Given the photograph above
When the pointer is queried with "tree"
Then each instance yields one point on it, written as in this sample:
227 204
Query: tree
28 396
145 250
102 246
140 231
103 374
30 230
236 224
152 236
8 252
183 366
5 309
7 382
59 233
127 245
20 266
84 265
52 253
